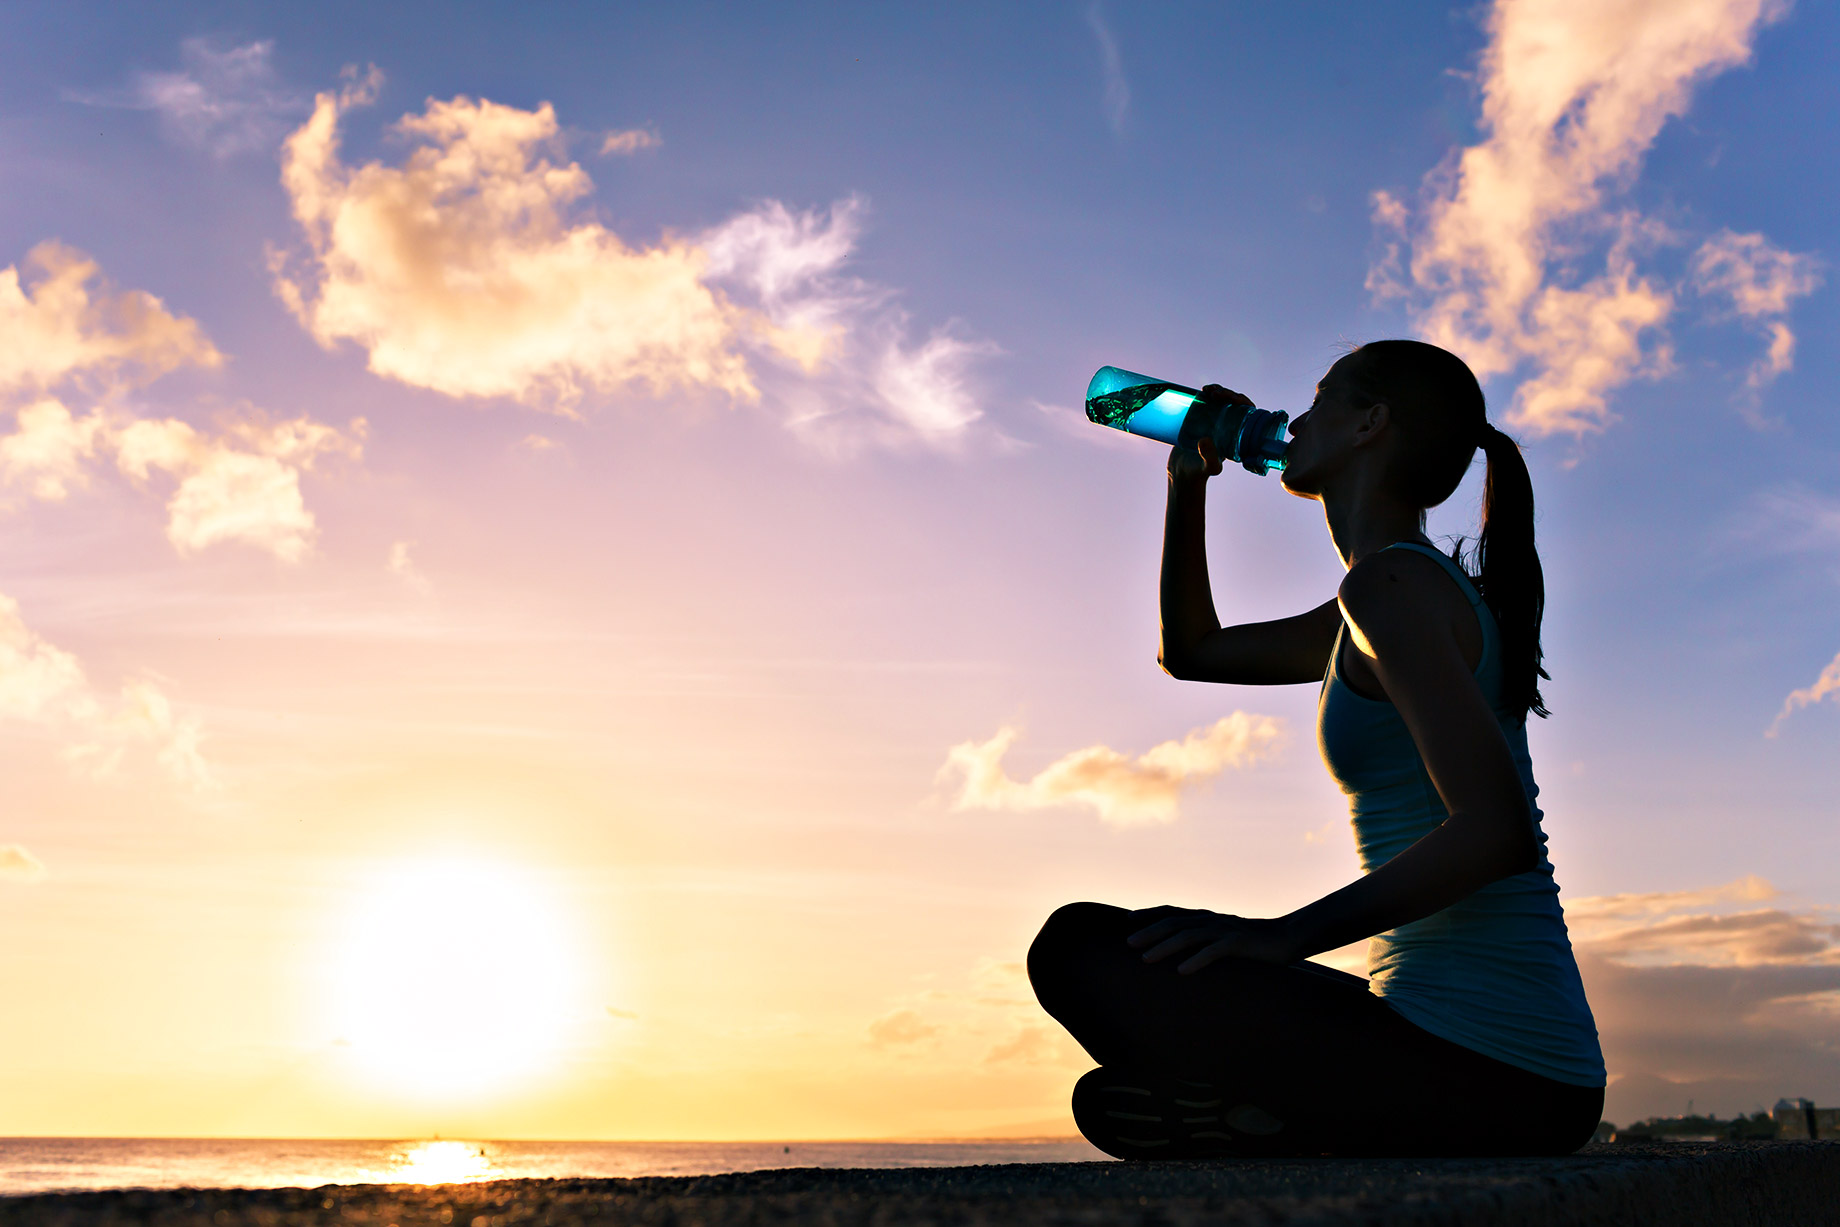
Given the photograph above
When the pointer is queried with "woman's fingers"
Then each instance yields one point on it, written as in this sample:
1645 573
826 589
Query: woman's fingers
1166 919
1150 936
1224 396
1224 948
1187 939
1210 456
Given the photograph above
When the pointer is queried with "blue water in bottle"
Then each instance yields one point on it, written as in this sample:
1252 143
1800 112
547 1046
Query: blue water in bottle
1173 414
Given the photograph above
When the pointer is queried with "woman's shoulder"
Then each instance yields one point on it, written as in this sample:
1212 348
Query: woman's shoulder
1396 594
1391 578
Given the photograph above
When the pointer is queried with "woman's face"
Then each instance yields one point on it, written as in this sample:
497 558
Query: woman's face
1322 437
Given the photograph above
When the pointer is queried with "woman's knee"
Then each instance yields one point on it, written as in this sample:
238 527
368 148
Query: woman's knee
1068 939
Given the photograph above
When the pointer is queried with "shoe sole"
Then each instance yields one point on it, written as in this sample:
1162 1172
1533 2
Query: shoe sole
1130 1114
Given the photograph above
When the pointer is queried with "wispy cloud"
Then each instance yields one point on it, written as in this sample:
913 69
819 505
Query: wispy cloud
840 365
225 99
468 270
985 1014
1825 686
1035 1043
1116 95
18 865
900 1028
1706 995
1761 281
1123 791
632 140
1789 518
1523 253
44 685
403 567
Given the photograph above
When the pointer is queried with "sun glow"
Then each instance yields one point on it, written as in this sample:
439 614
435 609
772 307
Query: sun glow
439 1163
455 977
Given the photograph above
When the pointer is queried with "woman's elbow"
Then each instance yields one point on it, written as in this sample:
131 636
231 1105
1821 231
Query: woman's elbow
1518 851
1174 664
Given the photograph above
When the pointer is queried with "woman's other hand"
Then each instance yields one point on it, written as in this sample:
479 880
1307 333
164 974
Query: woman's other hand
1207 936
1197 463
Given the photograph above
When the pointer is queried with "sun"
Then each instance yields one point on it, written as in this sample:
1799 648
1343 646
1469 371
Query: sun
454 977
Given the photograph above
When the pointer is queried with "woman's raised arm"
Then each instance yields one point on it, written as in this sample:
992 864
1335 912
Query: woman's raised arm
1195 647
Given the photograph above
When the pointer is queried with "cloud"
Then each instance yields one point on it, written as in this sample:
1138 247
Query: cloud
45 685
630 141
1704 995
835 351
239 485
1594 915
460 271
1123 791
1032 1044
1824 686
1761 281
226 100
1518 255
46 454
472 270
146 714
900 1028
62 320
1117 95
403 567
980 1013
37 680
64 326
1789 518
18 865
1731 1038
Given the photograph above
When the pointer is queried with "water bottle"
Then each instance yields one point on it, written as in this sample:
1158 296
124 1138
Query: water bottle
1173 414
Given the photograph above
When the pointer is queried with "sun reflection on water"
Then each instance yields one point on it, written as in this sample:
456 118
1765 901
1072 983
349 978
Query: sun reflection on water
440 1163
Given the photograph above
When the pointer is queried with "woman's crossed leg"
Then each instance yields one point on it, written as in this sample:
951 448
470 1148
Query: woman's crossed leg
1244 1057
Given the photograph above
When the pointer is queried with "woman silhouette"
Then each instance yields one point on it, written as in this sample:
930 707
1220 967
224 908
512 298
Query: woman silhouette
1213 1035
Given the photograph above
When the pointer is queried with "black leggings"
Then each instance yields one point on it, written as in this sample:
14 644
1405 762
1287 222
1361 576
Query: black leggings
1308 1046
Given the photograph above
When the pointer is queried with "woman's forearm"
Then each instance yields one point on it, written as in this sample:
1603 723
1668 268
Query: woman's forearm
1186 597
1452 862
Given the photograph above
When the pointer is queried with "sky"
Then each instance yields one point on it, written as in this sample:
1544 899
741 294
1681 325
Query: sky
554 582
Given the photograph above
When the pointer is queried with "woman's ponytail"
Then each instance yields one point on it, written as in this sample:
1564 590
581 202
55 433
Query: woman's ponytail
1508 571
1443 418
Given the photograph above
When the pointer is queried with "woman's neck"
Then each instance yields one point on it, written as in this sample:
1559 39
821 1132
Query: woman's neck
1363 521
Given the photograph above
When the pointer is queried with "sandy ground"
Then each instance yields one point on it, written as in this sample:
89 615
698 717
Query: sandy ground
1681 1184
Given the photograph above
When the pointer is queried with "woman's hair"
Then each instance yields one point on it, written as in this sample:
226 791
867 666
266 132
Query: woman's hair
1437 403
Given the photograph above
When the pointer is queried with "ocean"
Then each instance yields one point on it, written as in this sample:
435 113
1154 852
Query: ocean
46 1165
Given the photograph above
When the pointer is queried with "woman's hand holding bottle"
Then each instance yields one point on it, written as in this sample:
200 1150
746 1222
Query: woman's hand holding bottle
1202 461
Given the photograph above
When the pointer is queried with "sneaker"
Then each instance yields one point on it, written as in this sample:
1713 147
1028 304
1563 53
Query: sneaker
1135 1114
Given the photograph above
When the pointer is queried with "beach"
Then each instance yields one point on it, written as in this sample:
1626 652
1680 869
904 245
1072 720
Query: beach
1680 1184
